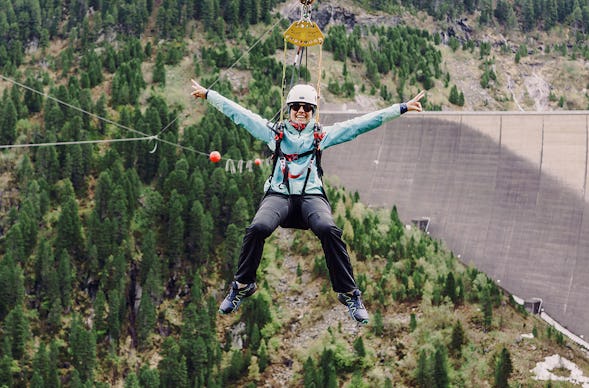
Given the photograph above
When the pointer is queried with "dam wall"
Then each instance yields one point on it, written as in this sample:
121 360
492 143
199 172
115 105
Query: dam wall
505 191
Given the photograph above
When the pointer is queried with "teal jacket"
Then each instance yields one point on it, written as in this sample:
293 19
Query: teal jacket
299 142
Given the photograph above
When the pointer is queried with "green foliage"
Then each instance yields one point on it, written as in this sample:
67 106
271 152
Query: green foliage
503 369
457 340
172 367
82 344
456 98
310 375
412 322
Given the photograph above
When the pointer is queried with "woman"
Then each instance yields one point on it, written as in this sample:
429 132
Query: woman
294 192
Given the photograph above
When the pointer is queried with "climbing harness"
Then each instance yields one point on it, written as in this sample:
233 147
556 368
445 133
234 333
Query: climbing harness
280 157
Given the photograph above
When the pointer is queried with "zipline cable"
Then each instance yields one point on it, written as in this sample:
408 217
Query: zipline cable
94 115
98 117
60 143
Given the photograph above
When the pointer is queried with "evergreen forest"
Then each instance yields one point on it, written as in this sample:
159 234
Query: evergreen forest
119 237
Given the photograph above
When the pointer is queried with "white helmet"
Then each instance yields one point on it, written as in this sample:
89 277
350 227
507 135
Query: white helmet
302 93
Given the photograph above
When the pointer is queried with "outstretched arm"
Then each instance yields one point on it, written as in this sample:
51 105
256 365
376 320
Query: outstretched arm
350 129
252 122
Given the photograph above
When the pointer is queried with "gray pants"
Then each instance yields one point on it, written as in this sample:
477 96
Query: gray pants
302 212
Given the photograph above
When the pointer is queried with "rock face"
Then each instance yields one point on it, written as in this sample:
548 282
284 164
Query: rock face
327 14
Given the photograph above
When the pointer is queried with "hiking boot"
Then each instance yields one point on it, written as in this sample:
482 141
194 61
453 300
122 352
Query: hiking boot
353 302
233 299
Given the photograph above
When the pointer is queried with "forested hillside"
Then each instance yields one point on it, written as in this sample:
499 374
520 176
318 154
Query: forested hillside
118 236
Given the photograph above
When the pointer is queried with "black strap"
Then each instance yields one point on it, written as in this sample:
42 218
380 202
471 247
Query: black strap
278 129
317 136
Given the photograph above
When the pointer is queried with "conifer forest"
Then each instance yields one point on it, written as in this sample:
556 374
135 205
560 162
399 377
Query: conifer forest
119 237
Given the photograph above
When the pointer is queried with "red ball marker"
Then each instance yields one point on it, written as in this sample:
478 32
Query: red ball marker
215 156
258 161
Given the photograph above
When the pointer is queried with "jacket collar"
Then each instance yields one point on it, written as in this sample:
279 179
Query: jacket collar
304 127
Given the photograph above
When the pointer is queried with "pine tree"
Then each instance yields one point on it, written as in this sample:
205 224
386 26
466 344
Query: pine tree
450 288
100 315
359 347
377 325
172 367
82 344
17 330
8 120
529 18
487 308
65 277
69 228
149 259
29 226
457 340
52 379
120 215
503 369
440 368
175 228
159 70
327 366
6 379
146 318
412 322
77 170
263 358
233 237
12 289
149 378
423 371
200 235
37 380
33 101
41 363
47 163
132 381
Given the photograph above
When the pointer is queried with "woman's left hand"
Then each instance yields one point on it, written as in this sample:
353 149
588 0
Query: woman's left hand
414 105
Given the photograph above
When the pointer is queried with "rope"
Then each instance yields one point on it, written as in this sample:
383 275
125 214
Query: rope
283 83
319 81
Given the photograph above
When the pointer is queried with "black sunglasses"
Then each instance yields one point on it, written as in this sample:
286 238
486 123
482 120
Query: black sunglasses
306 107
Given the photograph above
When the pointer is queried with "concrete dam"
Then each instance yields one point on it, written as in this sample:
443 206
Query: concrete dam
505 191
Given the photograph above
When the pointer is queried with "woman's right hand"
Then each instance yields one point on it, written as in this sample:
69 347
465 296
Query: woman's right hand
199 91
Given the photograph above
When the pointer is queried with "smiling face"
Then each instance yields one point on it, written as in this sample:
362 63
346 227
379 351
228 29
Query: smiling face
301 113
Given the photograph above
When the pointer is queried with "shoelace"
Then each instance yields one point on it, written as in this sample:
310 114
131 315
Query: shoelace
237 294
354 303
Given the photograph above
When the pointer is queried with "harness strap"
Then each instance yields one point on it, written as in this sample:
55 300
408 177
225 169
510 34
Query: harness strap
317 137
286 158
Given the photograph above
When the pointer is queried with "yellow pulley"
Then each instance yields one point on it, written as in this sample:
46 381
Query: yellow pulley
304 32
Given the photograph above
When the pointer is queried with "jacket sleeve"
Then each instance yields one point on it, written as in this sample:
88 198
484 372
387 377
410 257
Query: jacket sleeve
350 129
252 122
